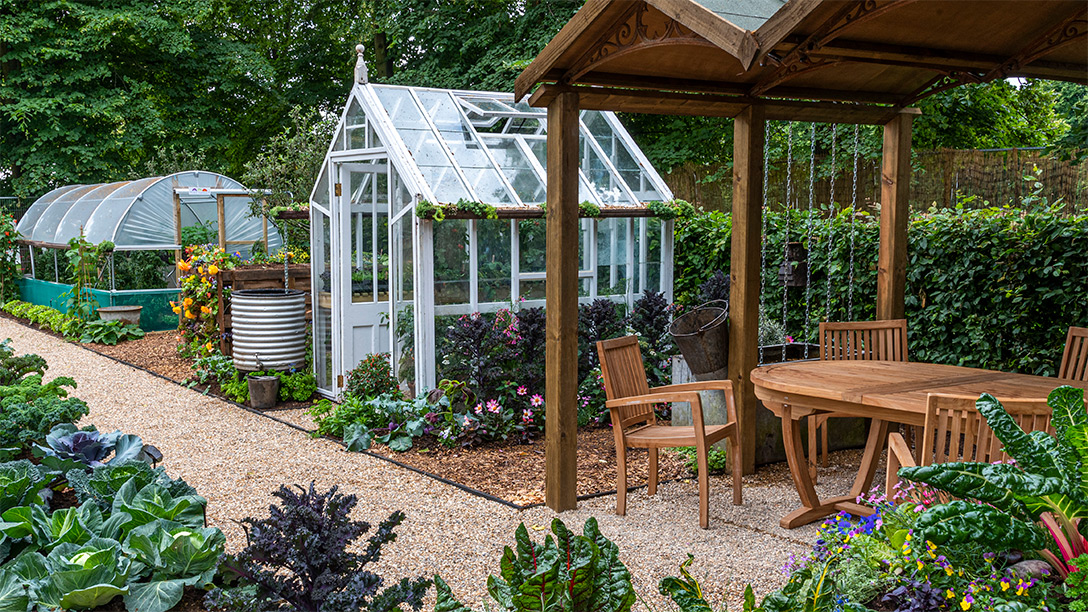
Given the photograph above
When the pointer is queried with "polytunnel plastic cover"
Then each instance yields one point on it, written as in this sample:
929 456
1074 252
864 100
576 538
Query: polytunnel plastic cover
139 214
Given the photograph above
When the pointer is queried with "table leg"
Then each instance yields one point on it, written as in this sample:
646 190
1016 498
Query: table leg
812 508
878 437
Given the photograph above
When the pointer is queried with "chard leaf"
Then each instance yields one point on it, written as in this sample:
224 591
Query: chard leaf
614 590
1001 484
1076 438
1068 408
959 522
13 595
685 592
154 596
541 592
1019 445
445 601
580 575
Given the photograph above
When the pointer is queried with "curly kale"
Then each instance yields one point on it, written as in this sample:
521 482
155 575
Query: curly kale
29 409
598 320
13 369
298 558
650 319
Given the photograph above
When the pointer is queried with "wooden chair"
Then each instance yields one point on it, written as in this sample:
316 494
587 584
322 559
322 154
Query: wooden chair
956 431
630 402
1075 359
872 340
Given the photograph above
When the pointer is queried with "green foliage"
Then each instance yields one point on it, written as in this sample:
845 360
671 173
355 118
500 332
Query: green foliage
1076 585
13 369
588 209
30 409
47 318
477 44
386 420
1048 483
9 250
109 332
200 233
716 459
176 556
289 163
102 483
671 209
570 572
86 263
686 592
20 484
372 378
438 212
995 288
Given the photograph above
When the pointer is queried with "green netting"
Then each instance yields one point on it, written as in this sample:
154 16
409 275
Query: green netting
157 314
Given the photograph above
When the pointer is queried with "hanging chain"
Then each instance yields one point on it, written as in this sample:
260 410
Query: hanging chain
808 238
786 229
763 244
831 220
853 214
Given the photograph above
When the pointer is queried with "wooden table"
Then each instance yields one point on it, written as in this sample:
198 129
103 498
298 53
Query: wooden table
886 391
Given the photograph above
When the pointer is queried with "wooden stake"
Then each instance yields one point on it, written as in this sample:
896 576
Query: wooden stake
749 132
222 221
561 388
177 227
891 271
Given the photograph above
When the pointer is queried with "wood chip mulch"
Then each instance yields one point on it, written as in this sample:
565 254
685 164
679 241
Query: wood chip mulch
511 471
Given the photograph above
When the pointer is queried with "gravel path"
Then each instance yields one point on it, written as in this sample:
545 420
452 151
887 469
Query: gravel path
236 458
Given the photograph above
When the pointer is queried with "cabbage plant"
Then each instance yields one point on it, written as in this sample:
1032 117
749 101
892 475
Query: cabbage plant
175 556
20 484
68 447
1036 503
80 577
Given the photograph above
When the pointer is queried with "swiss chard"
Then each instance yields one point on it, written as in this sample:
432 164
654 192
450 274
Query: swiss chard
1035 504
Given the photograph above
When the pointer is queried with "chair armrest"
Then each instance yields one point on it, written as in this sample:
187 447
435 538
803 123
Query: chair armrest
706 385
653 398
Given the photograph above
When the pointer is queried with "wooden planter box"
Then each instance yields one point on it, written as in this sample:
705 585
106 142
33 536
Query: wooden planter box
268 276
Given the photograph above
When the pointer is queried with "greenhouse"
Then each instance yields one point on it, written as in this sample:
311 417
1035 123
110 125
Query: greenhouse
148 220
430 206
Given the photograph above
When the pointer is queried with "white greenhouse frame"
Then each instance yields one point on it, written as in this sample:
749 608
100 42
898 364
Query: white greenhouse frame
396 147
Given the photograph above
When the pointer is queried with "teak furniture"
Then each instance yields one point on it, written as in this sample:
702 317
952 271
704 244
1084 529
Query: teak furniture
954 430
870 340
886 391
631 401
1075 359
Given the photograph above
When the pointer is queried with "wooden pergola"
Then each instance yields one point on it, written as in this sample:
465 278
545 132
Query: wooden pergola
834 61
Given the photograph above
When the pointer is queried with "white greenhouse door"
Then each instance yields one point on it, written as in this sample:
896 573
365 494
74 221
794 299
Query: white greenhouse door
363 208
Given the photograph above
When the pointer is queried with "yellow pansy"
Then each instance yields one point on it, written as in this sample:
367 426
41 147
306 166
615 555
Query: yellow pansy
213 269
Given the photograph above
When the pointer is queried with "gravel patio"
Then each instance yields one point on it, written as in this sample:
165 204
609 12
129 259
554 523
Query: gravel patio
236 458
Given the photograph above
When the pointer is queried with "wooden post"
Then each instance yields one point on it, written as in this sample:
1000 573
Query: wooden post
264 224
222 221
749 133
561 287
891 270
177 230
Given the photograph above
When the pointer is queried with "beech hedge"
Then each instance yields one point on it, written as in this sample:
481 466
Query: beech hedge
993 288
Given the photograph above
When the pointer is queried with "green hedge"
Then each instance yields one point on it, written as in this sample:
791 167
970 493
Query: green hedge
993 288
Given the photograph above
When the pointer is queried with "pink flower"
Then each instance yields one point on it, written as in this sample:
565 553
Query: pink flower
536 400
493 406
522 390
478 409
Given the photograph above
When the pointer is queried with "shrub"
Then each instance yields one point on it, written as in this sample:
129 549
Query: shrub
481 348
373 377
299 555
9 248
601 319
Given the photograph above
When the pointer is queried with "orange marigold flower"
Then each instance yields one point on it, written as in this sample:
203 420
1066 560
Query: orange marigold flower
184 266
188 301
205 310
189 315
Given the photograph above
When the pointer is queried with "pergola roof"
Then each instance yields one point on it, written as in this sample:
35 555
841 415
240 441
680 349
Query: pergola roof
715 57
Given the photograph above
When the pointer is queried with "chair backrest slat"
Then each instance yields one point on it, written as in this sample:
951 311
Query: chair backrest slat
955 430
1075 358
868 340
625 376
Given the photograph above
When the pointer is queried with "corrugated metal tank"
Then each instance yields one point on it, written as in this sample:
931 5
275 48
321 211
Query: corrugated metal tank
269 325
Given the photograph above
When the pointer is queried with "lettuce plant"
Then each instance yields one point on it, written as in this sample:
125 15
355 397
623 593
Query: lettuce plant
175 556
568 573
299 556
20 484
1034 504
68 447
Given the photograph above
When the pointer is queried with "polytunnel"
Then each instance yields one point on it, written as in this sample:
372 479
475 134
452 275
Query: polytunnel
145 219
144 214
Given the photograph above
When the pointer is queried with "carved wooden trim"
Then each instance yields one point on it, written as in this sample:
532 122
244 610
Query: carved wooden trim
1073 28
642 28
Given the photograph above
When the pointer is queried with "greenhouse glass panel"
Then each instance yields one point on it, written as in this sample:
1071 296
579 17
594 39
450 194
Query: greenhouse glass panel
619 153
356 125
493 256
532 244
451 262
611 256
539 148
517 168
321 262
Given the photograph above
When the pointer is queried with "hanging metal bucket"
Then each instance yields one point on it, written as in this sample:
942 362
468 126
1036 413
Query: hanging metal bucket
702 336
269 327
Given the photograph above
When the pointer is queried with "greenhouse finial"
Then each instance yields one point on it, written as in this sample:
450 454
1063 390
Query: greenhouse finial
360 66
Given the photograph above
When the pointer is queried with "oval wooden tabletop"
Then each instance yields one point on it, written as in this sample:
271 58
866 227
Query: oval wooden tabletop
897 385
